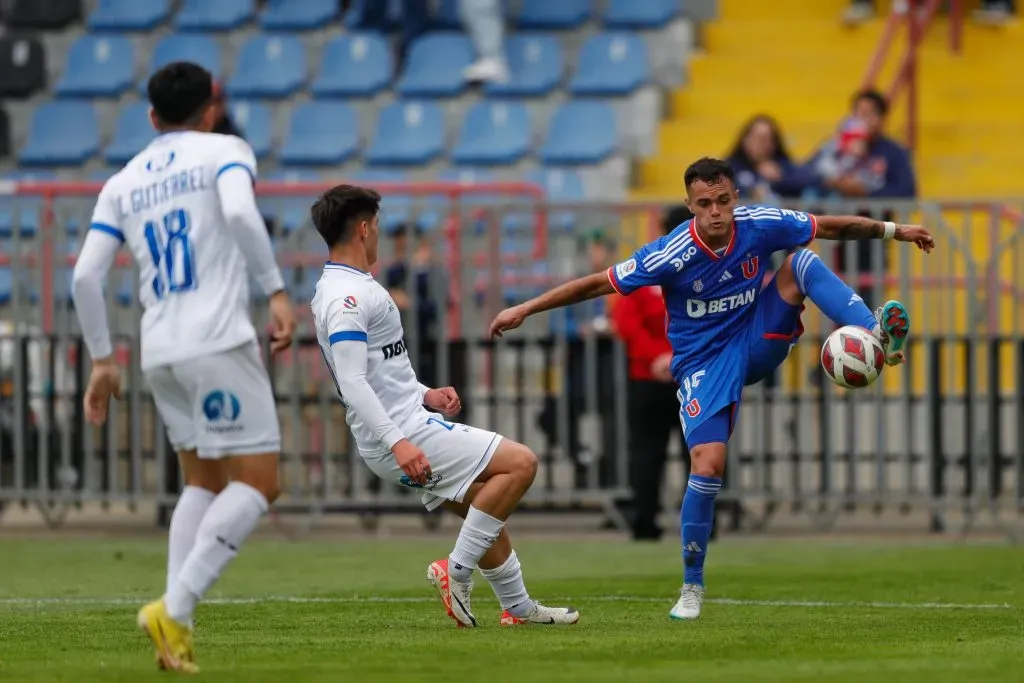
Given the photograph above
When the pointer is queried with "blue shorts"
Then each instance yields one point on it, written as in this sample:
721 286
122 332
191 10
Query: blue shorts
710 391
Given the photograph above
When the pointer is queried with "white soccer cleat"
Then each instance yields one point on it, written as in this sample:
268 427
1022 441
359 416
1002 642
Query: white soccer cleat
691 599
454 594
893 328
542 614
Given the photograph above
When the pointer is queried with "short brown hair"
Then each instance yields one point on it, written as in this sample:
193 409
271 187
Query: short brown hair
335 211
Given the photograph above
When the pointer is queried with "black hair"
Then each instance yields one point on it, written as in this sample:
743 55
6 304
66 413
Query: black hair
335 211
877 100
740 154
675 216
709 171
180 93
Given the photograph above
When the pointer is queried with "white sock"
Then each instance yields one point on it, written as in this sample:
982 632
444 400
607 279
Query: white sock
479 532
185 520
507 583
231 518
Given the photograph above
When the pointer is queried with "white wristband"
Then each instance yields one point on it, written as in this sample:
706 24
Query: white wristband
890 230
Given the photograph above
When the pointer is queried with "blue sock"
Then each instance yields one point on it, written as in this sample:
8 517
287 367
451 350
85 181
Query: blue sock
695 519
830 294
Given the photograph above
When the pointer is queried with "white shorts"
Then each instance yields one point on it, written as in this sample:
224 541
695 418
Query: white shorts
457 453
220 405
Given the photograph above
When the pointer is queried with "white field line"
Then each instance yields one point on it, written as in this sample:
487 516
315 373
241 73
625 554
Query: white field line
578 601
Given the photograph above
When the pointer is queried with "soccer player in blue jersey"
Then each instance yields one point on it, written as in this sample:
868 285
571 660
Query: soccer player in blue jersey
726 330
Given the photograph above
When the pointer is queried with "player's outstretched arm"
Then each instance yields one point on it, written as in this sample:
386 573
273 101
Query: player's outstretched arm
860 227
572 292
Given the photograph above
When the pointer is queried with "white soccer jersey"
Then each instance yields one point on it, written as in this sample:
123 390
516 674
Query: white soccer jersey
165 205
350 306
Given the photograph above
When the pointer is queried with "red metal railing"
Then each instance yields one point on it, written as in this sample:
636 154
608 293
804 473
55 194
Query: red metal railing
452 193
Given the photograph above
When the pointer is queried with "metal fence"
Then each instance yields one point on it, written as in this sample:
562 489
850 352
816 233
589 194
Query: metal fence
940 437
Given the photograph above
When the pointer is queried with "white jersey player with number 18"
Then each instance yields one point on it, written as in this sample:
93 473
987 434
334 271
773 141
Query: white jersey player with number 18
186 209
476 474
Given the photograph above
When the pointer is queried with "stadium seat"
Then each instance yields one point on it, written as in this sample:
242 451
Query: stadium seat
22 67
560 186
254 121
580 133
536 66
191 47
492 134
44 14
5 133
22 213
321 134
611 64
223 15
269 66
634 14
292 212
129 15
354 65
548 14
131 134
435 65
408 134
298 15
97 66
470 176
61 133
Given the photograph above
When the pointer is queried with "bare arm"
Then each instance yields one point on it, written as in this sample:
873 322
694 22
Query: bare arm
572 292
860 227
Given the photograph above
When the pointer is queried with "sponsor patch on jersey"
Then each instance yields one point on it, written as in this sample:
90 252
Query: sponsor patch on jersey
625 268
349 302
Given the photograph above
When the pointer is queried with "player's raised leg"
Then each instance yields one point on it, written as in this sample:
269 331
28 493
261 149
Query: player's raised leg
500 567
804 274
503 483
707 445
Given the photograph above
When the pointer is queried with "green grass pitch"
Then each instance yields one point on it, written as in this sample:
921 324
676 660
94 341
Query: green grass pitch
362 611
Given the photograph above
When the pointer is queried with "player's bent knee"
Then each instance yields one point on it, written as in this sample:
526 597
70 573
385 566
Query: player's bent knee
785 281
512 458
708 459
258 471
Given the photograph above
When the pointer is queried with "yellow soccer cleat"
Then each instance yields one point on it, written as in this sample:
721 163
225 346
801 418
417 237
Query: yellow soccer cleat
173 641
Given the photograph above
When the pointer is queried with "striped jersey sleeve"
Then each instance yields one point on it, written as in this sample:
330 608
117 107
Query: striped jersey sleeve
654 263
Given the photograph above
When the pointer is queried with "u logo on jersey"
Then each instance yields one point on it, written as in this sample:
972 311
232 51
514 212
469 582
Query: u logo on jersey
749 268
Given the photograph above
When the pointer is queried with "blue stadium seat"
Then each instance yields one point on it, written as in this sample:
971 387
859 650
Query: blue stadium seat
536 66
131 134
191 47
560 185
61 134
6 286
269 66
551 14
22 213
291 212
97 66
129 15
492 134
256 124
408 134
640 14
321 134
611 64
435 65
298 15
222 15
580 133
354 65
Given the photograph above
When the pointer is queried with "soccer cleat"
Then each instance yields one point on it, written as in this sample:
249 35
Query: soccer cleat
173 641
893 328
542 614
691 598
454 594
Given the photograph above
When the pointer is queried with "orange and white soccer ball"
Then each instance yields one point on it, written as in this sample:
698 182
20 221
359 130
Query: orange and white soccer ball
852 357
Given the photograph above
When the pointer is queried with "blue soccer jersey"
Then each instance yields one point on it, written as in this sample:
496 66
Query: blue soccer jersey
712 296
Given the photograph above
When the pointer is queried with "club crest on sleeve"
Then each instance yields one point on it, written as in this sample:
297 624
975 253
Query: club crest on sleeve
349 302
625 268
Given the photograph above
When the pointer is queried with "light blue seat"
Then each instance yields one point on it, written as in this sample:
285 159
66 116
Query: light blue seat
611 64
298 15
271 66
218 15
354 65
321 134
580 133
536 66
493 134
129 15
132 133
255 123
408 133
97 66
62 133
434 66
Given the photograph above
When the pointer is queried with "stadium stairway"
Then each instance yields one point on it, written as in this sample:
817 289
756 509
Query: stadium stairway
969 127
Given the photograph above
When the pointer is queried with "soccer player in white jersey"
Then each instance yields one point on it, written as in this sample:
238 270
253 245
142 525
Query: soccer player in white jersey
399 425
186 208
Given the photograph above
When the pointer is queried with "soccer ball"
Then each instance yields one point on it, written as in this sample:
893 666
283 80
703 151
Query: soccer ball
852 357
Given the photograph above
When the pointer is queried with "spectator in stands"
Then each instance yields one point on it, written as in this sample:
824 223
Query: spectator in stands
764 170
375 15
990 11
652 408
484 22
